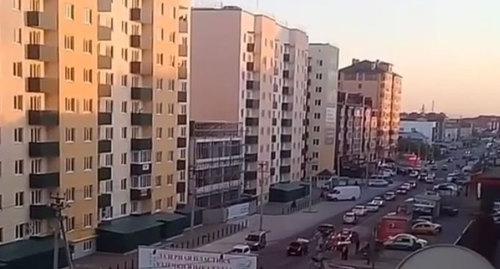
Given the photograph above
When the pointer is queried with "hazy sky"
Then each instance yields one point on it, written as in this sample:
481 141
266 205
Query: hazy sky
446 50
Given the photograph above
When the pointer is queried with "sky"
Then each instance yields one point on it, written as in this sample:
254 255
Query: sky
446 50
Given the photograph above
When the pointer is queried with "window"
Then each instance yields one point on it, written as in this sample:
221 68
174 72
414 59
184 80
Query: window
170 201
20 231
18 102
170 109
87 46
17 69
124 80
18 36
19 167
70 223
69 73
315 154
159 83
87 191
319 89
123 158
159 132
124 54
170 179
108 133
108 159
123 208
0 206
69 194
87 163
159 108
1 235
87 75
87 245
70 165
88 105
70 135
316 142
159 156
108 186
87 134
36 197
70 11
316 128
134 207
87 220
123 133
19 198
18 135
70 104
88 16
360 86
317 115
170 132
158 205
124 107
170 156
16 4
123 184
158 181
159 58
69 42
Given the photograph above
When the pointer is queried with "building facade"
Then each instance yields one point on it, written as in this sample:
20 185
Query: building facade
437 119
427 128
95 112
378 81
216 158
321 108
357 131
260 81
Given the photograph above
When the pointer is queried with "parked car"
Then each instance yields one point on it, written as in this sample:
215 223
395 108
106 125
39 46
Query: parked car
401 191
433 167
298 247
449 210
450 160
326 229
429 180
405 242
406 186
240 249
378 183
414 173
342 193
444 167
350 218
423 218
344 237
426 227
372 207
413 184
379 201
359 210
256 240
390 196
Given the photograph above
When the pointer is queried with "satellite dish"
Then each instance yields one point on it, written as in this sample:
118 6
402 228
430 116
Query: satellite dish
445 256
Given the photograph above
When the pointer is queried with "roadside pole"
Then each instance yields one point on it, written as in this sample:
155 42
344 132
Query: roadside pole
192 191
310 209
262 166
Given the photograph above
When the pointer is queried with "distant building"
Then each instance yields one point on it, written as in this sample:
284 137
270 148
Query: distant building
216 159
427 128
437 118
378 81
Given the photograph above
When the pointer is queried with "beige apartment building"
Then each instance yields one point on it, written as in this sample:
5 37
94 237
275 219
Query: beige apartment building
321 109
250 69
94 110
378 81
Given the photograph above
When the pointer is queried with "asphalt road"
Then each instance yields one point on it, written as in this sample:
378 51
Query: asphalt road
274 255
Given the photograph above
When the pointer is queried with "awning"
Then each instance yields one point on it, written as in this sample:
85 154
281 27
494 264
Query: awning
131 224
31 253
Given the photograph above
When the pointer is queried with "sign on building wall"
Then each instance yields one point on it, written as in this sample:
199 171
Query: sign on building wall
236 211
330 115
154 258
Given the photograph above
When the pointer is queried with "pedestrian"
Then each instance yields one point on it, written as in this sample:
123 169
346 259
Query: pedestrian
357 246
345 252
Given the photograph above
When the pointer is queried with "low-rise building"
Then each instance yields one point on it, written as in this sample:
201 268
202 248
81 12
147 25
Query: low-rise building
427 128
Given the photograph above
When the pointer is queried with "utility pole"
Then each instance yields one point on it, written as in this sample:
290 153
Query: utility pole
57 206
262 166
308 164
192 193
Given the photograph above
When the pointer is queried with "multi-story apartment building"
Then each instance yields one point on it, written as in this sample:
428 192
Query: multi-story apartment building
321 108
378 81
216 160
95 111
248 68
357 131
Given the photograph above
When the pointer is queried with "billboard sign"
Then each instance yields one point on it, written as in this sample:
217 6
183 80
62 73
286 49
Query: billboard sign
155 258
236 211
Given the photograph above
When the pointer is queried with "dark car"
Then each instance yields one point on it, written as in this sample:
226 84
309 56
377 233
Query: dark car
326 229
298 247
449 210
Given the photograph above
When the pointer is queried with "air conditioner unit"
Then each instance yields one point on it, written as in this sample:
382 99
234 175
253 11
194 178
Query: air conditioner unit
145 167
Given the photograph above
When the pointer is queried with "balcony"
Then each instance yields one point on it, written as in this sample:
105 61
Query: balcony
181 165
252 121
286 74
41 212
135 41
252 157
41 20
250 66
104 5
286 57
40 52
141 119
141 144
180 187
182 97
181 142
104 200
135 14
104 118
183 26
254 104
104 62
251 139
44 181
135 67
183 50
253 85
181 119
104 33
286 106
182 72
285 169
143 94
104 90
286 123
286 138
43 149
140 194
309 69
250 47
34 84
43 117
104 146
285 154
137 169
250 175
287 90
104 173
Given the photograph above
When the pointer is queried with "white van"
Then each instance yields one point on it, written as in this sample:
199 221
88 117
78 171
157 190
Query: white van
342 193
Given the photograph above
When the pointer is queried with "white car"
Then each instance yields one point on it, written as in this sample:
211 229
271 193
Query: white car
379 201
241 249
404 242
378 183
359 210
372 207
426 227
350 218
414 173
406 186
